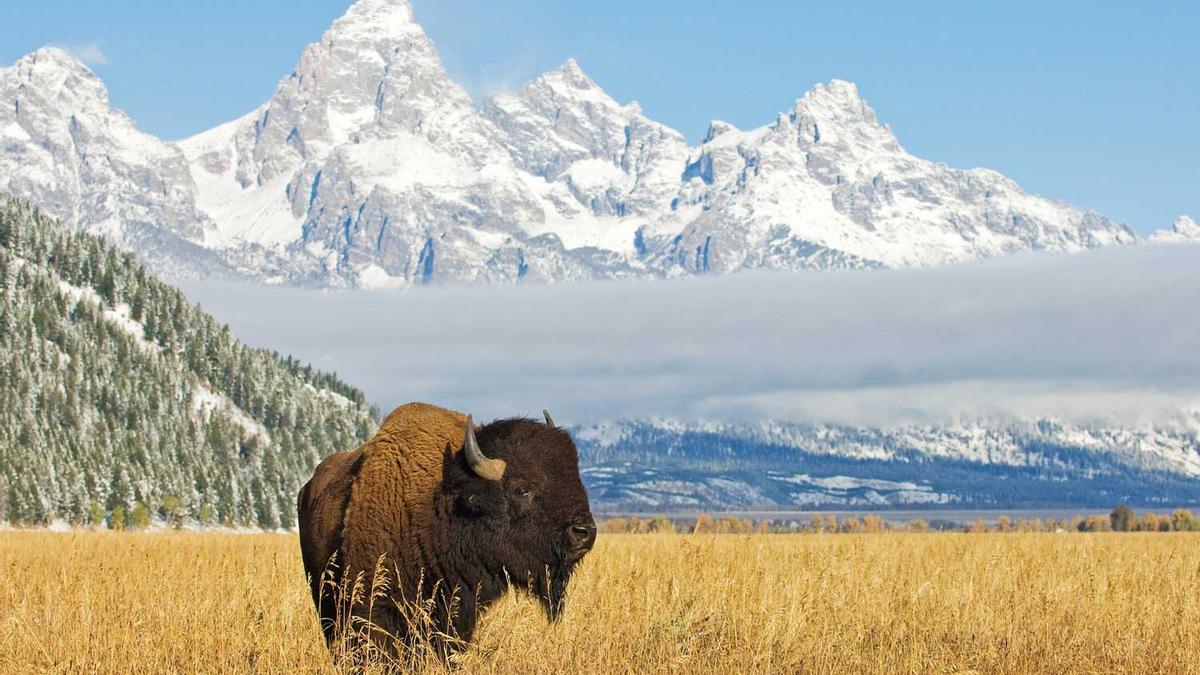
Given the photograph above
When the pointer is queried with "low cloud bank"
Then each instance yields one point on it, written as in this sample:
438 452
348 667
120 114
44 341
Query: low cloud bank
1106 334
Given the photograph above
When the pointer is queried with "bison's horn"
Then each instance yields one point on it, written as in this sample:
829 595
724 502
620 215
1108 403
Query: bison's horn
488 469
549 419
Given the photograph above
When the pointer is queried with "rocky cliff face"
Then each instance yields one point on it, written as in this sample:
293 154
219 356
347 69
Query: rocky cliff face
828 177
611 158
369 167
64 148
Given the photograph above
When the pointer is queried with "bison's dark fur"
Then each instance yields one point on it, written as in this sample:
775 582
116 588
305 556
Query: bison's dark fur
448 536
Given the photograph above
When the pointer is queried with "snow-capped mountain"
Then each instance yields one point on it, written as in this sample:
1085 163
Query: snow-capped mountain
1167 446
619 168
1183 230
66 149
827 176
661 464
369 166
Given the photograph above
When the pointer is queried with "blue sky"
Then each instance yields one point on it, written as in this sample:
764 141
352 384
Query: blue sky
1094 103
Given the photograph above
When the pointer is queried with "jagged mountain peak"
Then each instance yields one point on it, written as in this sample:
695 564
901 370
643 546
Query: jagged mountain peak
828 184
63 147
56 74
835 113
836 98
567 86
607 157
569 80
54 57
1185 225
836 89
570 72
718 128
1185 229
53 96
378 18
373 70
566 102
374 45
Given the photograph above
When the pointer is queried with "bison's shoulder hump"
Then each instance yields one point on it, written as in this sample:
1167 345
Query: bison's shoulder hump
392 495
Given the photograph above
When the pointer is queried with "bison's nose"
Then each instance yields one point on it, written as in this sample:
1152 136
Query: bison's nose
581 537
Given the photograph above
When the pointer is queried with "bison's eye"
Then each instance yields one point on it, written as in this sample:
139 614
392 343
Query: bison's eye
523 492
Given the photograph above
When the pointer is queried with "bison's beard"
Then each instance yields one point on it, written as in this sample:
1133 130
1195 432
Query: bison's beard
552 591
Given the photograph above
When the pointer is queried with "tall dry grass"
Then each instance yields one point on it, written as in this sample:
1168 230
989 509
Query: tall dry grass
906 603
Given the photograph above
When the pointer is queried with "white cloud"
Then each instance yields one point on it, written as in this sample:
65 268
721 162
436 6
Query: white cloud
1106 334
89 53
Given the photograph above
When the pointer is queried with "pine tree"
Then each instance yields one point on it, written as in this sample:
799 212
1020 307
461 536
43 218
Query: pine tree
97 424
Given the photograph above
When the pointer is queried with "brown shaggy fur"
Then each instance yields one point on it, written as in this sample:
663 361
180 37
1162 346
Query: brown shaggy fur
400 475
379 498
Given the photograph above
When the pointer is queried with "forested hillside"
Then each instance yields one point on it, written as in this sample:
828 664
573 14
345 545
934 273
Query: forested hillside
120 400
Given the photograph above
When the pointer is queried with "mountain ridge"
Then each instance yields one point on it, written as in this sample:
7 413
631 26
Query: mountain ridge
368 166
665 465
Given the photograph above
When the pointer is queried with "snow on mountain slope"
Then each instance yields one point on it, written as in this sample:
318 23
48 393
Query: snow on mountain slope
1172 446
828 174
1184 230
258 214
657 464
369 166
394 178
63 147
610 158
205 398
601 168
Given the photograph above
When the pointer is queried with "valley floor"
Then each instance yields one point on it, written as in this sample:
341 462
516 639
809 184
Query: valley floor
880 603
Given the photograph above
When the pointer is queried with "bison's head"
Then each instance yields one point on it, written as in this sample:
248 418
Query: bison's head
521 505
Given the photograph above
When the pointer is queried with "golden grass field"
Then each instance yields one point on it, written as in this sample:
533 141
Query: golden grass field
877 603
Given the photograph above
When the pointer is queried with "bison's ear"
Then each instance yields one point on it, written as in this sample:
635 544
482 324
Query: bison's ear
481 501
471 505
473 497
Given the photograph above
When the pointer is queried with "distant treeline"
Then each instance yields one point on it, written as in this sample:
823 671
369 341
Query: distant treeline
1122 519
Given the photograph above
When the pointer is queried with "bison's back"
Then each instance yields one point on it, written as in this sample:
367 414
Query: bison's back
321 510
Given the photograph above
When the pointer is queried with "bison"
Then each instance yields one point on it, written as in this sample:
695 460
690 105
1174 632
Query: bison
457 514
